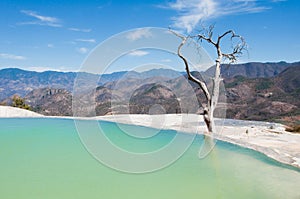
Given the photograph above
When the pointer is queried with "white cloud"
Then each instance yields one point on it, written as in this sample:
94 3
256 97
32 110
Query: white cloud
86 40
138 34
80 30
41 20
50 46
191 12
40 17
41 68
82 50
47 68
11 56
138 53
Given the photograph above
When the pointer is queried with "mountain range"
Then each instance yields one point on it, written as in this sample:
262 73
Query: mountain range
254 91
14 81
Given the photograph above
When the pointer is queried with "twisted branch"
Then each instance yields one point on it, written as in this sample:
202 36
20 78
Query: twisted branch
201 84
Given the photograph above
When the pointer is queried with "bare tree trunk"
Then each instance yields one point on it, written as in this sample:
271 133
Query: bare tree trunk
215 94
208 114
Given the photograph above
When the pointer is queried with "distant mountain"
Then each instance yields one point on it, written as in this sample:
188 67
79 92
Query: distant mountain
161 72
16 81
21 82
252 69
289 80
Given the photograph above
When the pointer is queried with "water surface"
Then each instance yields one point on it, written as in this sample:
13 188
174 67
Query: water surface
44 158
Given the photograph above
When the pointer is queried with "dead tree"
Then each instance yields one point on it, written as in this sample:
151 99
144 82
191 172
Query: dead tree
237 50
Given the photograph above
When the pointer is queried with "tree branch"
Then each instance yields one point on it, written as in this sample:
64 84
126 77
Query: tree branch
201 84
237 50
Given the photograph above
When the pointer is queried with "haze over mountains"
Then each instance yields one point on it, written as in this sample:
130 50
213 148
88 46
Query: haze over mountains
256 91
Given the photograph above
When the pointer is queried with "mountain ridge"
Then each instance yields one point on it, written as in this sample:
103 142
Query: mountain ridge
15 81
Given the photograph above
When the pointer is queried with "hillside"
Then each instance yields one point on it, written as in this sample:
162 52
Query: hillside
48 101
268 99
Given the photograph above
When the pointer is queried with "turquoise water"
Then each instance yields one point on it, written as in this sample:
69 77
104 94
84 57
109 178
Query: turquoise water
44 158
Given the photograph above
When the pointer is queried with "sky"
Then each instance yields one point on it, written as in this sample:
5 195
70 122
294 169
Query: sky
59 35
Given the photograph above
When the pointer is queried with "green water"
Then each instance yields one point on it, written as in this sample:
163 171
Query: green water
44 158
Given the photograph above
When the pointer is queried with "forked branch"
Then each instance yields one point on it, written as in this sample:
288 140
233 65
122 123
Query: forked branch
207 35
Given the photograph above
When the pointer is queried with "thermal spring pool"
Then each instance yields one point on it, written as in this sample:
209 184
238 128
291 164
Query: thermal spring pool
45 159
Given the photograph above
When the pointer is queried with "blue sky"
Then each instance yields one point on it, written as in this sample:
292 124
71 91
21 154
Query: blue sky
58 35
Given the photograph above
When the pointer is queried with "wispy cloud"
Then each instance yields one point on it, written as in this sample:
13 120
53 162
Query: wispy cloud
50 46
86 40
11 56
80 30
138 34
82 50
138 53
40 19
191 12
